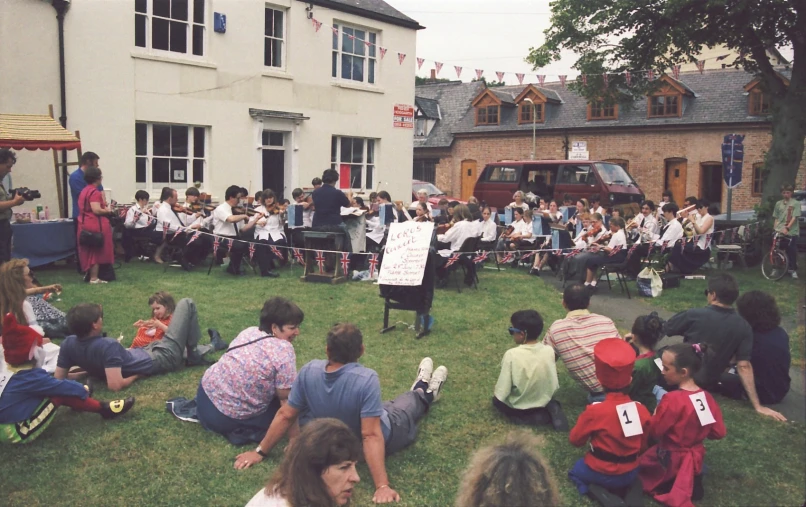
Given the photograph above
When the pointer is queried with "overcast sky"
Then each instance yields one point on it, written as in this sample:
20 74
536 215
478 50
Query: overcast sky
485 34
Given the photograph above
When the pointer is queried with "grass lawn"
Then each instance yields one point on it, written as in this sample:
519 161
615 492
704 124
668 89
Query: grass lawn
790 295
150 458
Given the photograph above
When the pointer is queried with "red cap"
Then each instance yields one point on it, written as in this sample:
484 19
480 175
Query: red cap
18 341
614 360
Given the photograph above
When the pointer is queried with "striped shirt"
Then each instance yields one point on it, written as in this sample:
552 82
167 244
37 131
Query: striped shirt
573 339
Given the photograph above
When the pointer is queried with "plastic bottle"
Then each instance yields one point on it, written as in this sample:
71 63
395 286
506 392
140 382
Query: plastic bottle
47 213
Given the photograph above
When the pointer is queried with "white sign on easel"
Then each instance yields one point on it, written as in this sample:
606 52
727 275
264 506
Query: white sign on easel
406 253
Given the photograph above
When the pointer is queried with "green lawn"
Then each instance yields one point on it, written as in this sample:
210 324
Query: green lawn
150 458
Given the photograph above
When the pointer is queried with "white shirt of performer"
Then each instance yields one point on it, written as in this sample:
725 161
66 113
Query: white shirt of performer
457 234
142 220
672 234
166 214
270 226
703 240
618 239
488 230
222 227
525 229
377 230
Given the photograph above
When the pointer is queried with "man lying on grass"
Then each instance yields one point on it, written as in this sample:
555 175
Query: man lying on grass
104 357
341 388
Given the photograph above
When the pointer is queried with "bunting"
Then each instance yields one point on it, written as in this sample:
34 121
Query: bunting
500 76
520 78
194 237
628 77
605 79
664 246
541 78
320 261
479 73
229 246
276 252
585 79
458 70
616 249
452 260
401 57
345 262
437 67
176 233
335 30
373 264
316 25
383 52
216 244
251 251
650 75
298 256
631 250
507 258
562 80
419 62
676 71
480 257
700 65
165 226
528 254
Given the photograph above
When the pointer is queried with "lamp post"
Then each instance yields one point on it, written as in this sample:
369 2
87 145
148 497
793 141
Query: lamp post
534 125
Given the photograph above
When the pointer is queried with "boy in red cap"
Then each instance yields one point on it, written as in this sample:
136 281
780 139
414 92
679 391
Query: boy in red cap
29 396
617 429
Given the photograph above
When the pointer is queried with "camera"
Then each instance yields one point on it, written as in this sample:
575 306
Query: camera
26 193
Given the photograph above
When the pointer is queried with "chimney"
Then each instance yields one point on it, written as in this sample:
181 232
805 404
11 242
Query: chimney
433 75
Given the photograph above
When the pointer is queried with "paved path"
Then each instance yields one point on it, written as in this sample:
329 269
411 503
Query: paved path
623 312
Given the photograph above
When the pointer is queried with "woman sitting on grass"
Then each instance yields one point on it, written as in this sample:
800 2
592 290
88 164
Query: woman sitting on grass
162 308
510 473
13 276
317 470
52 320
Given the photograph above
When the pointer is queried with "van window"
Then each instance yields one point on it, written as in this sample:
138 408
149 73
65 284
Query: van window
502 173
612 173
575 175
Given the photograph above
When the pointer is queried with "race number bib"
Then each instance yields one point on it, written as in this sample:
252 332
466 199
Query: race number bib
628 417
659 363
702 409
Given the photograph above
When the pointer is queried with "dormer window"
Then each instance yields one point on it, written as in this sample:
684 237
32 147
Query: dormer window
667 101
757 103
529 113
487 115
600 110
532 103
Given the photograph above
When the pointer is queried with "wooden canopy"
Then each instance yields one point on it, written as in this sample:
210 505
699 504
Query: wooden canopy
35 132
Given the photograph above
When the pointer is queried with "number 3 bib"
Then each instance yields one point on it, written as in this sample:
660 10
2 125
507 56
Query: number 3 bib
702 409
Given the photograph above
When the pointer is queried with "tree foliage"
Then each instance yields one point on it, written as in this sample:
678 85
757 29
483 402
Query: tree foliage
615 36
427 80
489 84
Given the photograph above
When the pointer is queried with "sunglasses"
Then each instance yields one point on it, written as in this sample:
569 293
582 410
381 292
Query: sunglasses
705 293
514 330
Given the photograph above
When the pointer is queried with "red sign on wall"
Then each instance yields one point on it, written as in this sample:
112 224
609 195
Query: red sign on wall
403 116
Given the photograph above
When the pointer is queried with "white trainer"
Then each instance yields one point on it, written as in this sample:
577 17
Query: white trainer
795 275
424 371
438 379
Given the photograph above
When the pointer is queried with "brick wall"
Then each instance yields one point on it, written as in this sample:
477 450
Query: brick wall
646 153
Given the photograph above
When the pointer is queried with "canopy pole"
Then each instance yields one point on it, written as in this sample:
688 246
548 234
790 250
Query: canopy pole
56 170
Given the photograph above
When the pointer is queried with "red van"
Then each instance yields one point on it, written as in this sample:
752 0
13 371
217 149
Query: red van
552 179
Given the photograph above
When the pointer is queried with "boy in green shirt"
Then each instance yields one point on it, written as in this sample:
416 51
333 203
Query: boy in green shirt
528 377
785 216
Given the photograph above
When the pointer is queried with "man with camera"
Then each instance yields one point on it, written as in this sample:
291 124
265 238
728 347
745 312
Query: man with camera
7 201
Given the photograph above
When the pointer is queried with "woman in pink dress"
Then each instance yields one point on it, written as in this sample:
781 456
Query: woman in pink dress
93 217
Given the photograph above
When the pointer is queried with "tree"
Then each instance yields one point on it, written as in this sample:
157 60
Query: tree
614 36
489 84
427 80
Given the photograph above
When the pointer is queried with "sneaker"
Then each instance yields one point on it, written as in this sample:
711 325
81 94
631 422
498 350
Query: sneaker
215 339
112 409
437 381
795 275
424 372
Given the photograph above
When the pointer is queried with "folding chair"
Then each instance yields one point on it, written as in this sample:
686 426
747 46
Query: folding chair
465 262
417 299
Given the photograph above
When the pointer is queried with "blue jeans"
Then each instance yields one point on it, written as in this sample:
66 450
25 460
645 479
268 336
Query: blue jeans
237 431
582 475
593 398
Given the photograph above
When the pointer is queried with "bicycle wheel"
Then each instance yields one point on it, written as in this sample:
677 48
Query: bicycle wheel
773 265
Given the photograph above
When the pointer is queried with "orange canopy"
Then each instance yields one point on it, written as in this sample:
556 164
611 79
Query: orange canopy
35 132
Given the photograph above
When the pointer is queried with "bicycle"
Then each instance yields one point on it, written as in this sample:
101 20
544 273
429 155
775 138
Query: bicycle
774 264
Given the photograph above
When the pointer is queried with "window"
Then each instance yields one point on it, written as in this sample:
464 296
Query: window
274 43
169 154
426 170
526 110
759 105
601 111
575 175
661 106
354 158
355 58
170 25
420 127
758 179
502 173
487 115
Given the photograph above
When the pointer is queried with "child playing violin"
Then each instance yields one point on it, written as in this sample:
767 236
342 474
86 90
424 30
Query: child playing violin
422 214
672 470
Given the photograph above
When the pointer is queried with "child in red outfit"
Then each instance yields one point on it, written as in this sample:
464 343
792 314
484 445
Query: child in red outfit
671 470
617 429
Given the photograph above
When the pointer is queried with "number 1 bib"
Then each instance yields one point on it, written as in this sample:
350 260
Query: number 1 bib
628 417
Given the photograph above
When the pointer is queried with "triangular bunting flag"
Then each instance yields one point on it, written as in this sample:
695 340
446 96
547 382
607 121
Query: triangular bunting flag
420 63
650 74
229 247
401 57
437 67
480 257
628 77
165 226
335 30
276 252
367 43
193 238
700 65
383 52
458 71
507 258
520 78
500 76
452 260
251 251
479 73
676 71
562 80
541 78
316 24
373 264
345 262
298 256
216 244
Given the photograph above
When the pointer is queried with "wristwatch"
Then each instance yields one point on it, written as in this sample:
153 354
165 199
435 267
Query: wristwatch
260 451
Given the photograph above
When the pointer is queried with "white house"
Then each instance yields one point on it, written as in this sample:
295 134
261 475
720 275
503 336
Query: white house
168 98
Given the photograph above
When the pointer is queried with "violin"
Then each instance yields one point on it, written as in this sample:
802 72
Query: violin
275 208
198 207
592 232
249 212
507 232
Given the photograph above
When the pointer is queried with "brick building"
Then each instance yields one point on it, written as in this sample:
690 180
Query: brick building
670 140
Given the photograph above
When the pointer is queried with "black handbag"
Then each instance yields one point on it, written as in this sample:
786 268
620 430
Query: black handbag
91 239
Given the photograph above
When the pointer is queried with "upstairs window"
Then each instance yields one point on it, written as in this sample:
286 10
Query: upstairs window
274 38
354 54
487 115
177 26
664 106
602 111
759 105
169 155
529 113
354 158
758 179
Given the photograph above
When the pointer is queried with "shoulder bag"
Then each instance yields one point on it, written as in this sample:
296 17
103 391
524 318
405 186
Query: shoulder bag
88 238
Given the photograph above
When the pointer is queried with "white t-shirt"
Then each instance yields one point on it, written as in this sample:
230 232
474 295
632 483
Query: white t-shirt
702 241
222 227
672 234
167 215
526 230
457 234
272 226
618 239
648 224
488 230
142 220
30 316
263 500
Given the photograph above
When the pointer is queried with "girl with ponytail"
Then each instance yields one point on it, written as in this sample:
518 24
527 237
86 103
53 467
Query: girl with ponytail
646 333
671 470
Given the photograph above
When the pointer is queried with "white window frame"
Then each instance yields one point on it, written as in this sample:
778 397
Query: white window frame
283 40
369 53
190 22
152 187
365 165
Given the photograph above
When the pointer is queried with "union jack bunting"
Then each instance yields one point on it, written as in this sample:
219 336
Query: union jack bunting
572 253
520 78
628 77
500 76
193 238
216 244
650 75
298 256
276 252
479 73
458 70
373 264
676 71
700 65
251 251
316 24
383 51
452 260
335 30
480 257
345 262
229 247
664 245
562 80
420 62
401 57
616 249
632 249
122 212
165 226
605 78
320 260
507 258
527 255
708 240
541 78
176 233
585 79
437 67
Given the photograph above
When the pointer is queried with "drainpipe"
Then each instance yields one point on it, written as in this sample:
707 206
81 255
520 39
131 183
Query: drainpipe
61 9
